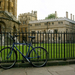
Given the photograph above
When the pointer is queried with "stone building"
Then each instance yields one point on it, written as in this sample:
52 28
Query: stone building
24 19
8 19
56 25
8 14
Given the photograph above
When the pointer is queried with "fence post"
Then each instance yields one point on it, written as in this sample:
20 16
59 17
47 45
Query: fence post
64 47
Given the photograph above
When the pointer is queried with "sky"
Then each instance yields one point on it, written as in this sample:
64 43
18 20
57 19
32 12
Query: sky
46 7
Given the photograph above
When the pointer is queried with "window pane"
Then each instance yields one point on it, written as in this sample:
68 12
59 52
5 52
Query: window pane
52 23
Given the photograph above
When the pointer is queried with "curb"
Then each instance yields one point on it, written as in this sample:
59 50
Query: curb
49 63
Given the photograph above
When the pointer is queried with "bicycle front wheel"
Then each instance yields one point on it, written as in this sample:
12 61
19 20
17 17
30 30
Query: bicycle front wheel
7 57
38 56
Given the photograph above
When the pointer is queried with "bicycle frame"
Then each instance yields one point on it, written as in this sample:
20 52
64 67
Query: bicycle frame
13 46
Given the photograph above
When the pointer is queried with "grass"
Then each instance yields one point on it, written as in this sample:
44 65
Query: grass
55 51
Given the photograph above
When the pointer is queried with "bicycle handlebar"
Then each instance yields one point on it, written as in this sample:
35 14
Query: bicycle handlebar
13 37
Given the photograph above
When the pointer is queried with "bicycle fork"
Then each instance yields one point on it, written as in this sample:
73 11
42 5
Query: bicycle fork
9 55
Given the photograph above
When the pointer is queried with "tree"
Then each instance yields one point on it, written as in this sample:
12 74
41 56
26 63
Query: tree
50 16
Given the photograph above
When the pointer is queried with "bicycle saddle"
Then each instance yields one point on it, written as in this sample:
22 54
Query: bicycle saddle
32 37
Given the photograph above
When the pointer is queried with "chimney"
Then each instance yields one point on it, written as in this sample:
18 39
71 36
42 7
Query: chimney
55 14
71 16
66 14
32 11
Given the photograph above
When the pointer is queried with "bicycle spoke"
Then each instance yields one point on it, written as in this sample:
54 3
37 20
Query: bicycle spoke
7 60
38 56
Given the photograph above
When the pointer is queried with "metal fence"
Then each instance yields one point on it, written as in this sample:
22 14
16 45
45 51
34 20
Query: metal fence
60 46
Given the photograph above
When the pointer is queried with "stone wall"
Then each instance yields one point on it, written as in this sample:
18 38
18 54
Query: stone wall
7 25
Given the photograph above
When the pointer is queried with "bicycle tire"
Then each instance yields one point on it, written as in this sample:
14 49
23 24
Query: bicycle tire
38 57
7 62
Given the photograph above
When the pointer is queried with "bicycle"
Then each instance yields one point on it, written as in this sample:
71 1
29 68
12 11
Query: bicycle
37 56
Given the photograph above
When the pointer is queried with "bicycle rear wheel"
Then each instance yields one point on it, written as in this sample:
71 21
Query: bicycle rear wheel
7 57
38 56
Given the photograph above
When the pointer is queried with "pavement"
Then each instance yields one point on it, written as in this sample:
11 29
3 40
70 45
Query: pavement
46 70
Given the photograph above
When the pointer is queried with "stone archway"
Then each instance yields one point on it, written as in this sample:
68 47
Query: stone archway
2 29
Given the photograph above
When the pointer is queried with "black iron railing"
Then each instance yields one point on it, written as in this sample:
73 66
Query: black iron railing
58 45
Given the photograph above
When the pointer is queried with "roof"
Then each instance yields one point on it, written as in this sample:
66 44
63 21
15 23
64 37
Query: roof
52 20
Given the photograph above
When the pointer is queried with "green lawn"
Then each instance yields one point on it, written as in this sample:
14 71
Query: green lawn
55 51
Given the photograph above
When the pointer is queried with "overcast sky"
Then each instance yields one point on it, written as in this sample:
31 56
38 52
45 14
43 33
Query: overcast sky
46 7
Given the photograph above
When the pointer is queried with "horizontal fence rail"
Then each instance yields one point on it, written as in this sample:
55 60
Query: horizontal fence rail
60 46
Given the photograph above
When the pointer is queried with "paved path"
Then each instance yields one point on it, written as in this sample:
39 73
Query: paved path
50 70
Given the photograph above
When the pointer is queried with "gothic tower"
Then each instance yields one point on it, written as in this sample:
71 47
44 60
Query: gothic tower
9 6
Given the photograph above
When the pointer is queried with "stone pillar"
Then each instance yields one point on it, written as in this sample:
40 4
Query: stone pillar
6 5
55 14
66 14
10 3
2 6
15 8
71 16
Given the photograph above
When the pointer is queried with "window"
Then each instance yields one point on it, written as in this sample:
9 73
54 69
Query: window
44 31
49 23
60 22
55 31
45 24
58 38
33 33
21 29
37 31
52 23
37 24
29 18
25 29
0 28
0 3
23 22
23 17
29 25
48 31
53 38
66 30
